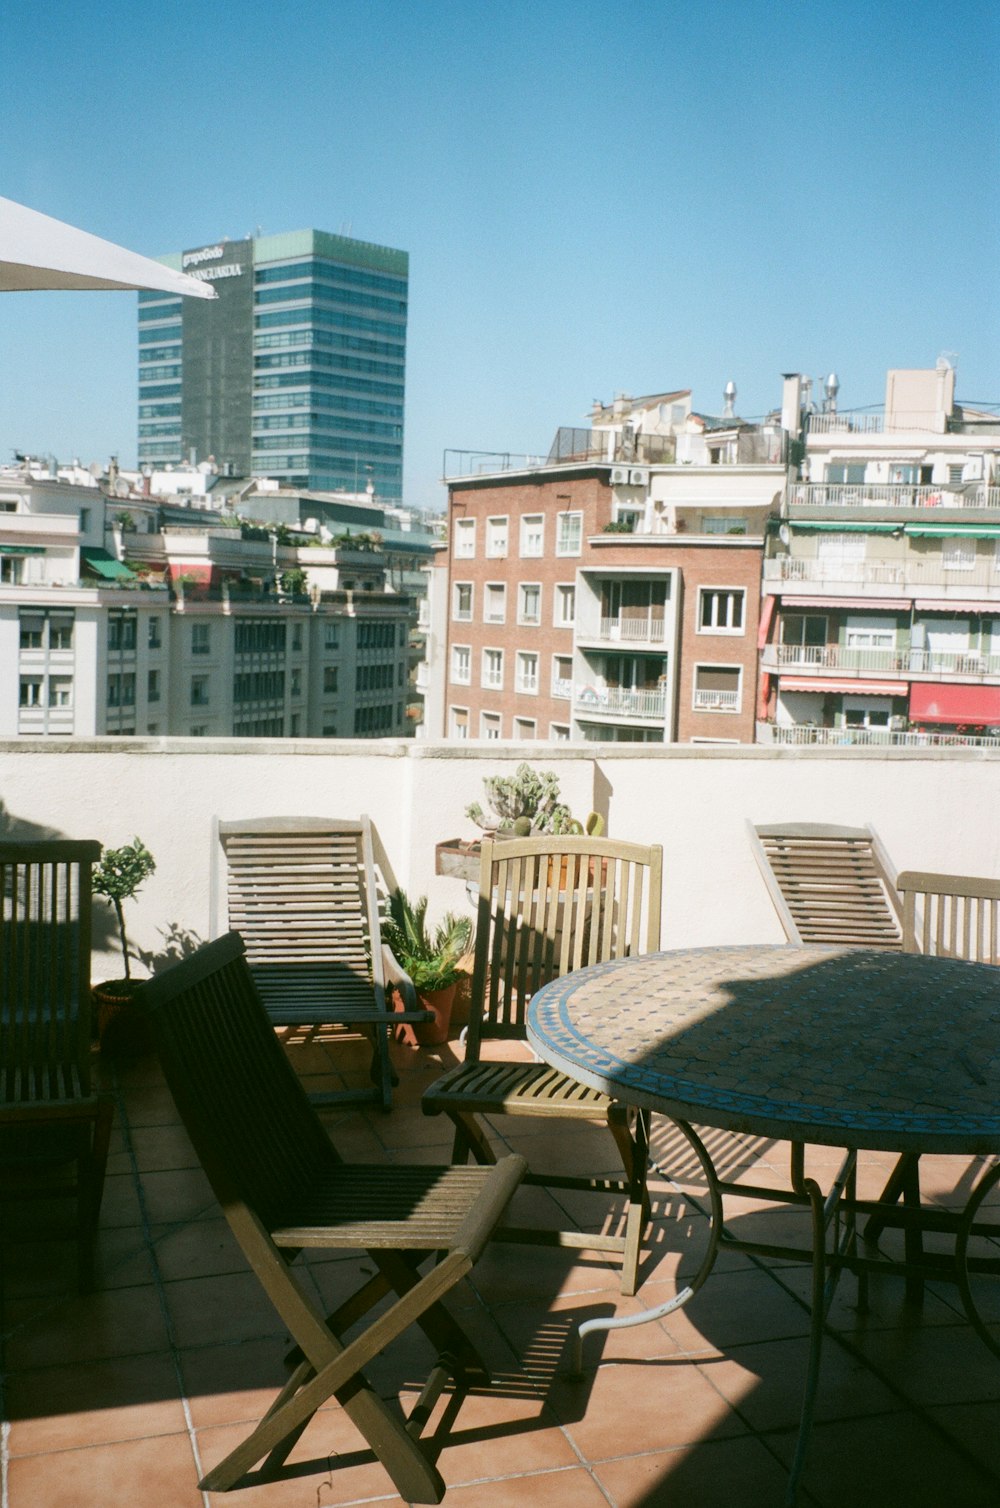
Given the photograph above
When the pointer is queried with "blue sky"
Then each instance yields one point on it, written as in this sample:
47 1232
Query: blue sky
594 199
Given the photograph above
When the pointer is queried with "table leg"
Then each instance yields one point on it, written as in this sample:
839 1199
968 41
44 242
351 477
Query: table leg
988 1181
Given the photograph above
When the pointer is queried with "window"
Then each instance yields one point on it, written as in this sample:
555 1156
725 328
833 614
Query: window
958 554
461 664
495 605
153 686
461 607
721 610
31 633
155 642
569 533
200 639
870 633
489 725
496 538
128 689
565 606
30 694
803 631
850 472
726 523
199 691
60 633
121 632
296 687
956 473
529 602
492 672
532 533
459 722
526 676
525 728
465 538
717 688
329 678
559 733
331 635
199 730
61 691
562 675
84 520
297 637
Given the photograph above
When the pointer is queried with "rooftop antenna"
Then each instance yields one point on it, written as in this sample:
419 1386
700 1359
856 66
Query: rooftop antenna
729 394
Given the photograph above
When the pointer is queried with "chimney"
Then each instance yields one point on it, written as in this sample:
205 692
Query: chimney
791 403
729 396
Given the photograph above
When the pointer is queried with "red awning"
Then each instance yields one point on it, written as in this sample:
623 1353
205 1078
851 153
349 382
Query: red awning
763 694
766 614
843 688
936 605
949 702
876 604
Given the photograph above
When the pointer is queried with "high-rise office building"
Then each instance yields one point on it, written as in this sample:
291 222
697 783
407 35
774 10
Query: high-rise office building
295 371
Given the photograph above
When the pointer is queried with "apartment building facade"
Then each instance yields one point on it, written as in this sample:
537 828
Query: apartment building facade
141 628
296 370
882 584
592 598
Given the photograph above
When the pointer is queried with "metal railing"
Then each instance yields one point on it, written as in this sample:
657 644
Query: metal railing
845 424
716 701
771 733
615 701
883 495
900 661
912 572
632 630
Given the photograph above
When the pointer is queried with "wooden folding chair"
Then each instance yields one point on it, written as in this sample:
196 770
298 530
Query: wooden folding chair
829 884
950 915
548 905
284 1189
302 894
54 1127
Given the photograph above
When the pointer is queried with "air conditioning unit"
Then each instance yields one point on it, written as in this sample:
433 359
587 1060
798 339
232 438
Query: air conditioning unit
619 476
639 477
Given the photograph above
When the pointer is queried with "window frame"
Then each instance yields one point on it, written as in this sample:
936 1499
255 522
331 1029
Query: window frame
465 530
559 594
485 682
491 588
458 616
717 629
526 520
454 676
523 619
716 665
521 656
562 550
497 536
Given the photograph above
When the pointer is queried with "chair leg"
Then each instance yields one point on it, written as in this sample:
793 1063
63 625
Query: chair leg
91 1166
470 1137
634 1150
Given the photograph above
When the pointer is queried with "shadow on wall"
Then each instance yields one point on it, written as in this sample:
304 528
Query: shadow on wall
177 942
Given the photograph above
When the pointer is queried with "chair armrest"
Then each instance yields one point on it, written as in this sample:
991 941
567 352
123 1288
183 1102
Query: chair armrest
397 976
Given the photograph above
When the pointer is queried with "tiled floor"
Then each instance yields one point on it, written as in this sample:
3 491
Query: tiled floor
128 1395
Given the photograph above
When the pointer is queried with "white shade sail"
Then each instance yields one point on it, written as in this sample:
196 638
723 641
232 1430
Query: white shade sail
39 252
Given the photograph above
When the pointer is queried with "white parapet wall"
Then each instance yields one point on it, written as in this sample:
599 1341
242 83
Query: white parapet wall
933 809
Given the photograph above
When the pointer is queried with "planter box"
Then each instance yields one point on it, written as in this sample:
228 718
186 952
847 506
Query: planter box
458 859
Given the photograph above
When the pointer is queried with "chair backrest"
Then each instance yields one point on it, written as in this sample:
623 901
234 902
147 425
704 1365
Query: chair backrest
549 905
248 1116
302 892
829 884
959 915
45 944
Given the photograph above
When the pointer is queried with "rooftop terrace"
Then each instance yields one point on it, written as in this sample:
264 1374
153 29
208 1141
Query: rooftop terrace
131 1393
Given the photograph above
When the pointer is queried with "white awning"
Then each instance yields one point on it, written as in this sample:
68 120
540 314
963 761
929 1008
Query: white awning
39 252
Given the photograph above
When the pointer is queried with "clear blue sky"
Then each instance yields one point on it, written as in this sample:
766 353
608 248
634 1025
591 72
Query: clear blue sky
594 198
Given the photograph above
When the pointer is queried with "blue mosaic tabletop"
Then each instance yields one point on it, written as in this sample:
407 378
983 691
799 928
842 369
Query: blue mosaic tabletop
849 1047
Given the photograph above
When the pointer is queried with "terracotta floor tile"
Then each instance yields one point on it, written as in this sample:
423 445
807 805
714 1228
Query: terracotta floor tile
330 1464
712 1473
118 1322
495 1434
197 1249
233 1384
973 1426
735 1308
162 1148
62 1408
936 1364
182 1194
214 1310
572 1487
162 1469
766 1383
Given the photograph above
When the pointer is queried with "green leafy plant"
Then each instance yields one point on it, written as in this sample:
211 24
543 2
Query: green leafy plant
429 956
117 876
524 803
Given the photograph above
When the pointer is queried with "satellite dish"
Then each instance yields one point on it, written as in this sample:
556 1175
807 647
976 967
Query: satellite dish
785 535
122 488
96 469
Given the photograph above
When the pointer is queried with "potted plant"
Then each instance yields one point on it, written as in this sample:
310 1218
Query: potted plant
118 876
430 957
522 805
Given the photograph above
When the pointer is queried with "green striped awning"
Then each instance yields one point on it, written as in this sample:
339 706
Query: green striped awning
953 531
845 528
103 564
6 549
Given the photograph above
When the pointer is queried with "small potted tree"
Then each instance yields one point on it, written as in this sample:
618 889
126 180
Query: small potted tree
430 957
118 876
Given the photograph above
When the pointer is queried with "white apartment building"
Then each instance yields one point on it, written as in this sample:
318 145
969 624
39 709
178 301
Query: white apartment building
114 622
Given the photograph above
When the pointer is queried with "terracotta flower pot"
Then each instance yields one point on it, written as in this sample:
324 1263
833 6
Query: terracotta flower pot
433 1033
122 1028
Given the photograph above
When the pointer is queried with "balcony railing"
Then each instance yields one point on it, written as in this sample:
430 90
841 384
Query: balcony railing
900 661
771 733
716 701
845 424
885 495
912 572
615 701
632 630
562 689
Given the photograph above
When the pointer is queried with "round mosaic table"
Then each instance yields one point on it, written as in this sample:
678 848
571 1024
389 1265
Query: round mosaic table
852 1048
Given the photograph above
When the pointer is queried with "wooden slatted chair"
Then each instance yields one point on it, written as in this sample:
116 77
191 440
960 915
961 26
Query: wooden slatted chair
950 915
546 906
829 884
54 1126
302 894
284 1189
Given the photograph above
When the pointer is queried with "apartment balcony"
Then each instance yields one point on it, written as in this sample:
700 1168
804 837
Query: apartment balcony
619 703
899 577
634 631
805 498
127 1395
966 665
803 735
716 701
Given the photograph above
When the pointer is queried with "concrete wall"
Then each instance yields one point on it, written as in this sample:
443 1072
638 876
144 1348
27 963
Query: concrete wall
933 809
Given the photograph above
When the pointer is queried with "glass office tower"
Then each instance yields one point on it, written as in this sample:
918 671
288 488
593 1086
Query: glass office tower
296 371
